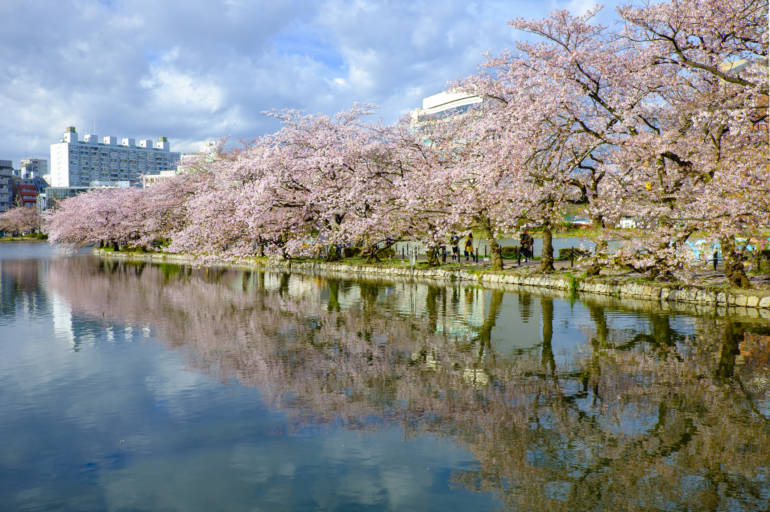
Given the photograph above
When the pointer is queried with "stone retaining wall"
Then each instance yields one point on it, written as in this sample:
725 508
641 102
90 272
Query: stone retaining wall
707 299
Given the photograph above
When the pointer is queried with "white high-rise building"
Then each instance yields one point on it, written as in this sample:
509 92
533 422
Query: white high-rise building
76 163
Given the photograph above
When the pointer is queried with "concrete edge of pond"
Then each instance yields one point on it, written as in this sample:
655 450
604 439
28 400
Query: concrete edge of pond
674 297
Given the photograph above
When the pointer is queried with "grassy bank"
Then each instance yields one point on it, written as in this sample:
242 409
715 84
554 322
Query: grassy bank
40 237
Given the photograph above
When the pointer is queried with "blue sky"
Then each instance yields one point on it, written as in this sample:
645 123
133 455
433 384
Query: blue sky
202 69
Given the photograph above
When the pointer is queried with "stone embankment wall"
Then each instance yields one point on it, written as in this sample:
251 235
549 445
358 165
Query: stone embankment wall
703 300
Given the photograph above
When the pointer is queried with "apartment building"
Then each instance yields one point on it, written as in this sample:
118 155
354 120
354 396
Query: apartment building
33 168
6 185
78 163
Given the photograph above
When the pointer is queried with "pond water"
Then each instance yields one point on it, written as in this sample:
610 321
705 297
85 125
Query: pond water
403 248
143 387
567 242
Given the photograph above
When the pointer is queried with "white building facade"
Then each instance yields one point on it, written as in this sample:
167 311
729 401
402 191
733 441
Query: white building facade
76 163
443 105
149 180
33 168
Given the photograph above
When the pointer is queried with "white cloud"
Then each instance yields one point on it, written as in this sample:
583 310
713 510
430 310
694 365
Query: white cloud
580 7
199 69
175 90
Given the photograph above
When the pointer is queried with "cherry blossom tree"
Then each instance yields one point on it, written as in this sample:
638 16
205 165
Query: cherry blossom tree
449 189
98 216
553 116
636 123
165 207
319 181
210 226
329 178
124 216
663 120
701 162
21 219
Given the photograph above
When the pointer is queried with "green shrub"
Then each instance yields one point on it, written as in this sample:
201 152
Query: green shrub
351 252
510 252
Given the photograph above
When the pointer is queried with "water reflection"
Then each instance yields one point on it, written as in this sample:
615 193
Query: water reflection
19 288
592 407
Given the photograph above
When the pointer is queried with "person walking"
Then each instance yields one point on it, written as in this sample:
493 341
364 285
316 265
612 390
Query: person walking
454 241
468 246
525 245
530 246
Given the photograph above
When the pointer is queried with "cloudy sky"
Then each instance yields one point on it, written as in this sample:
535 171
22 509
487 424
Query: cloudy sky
200 69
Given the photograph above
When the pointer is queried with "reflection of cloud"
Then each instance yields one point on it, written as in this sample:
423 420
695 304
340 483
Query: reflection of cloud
331 470
396 471
170 385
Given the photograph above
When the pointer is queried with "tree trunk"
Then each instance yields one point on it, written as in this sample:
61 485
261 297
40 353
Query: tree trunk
546 304
594 268
431 306
730 349
374 253
495 251
485 332
546 259
283 286
333 254
370 253
432 254
334 295
734 271
599 318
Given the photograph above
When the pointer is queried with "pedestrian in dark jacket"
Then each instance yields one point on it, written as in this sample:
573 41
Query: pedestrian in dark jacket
525 245
454 241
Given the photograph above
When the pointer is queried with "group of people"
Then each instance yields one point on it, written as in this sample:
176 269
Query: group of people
526 245
454 240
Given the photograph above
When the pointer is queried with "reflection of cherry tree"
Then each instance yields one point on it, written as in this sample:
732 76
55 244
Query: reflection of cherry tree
649 430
